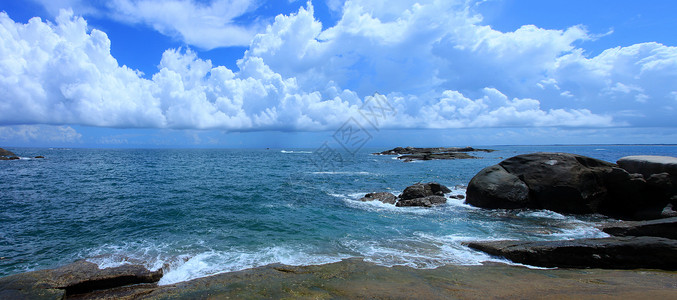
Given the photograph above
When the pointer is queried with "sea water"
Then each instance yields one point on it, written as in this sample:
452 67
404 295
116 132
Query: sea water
198 212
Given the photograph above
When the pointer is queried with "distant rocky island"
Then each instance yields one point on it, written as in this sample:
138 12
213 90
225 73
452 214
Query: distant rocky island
408 154
9 155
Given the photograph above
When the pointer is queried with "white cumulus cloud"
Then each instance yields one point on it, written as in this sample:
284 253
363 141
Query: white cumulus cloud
432 60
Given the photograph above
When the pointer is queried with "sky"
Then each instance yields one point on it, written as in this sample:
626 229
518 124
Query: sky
355 73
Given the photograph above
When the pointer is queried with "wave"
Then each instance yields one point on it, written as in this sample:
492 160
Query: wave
298 152
341 173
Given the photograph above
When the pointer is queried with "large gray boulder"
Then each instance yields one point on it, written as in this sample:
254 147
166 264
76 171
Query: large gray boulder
494 187
570 183
420 194
427 201
649 164
560 182
607 253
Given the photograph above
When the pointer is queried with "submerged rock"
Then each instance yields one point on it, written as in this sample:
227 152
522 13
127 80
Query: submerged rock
384 197
427 201
606 253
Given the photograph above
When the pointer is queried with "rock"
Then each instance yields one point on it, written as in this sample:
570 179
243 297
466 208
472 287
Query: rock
426 201
80 277
384 197
494 187
421 190
666 228
561 182
6 153
649 164
39 156
606 253
410 153
9 158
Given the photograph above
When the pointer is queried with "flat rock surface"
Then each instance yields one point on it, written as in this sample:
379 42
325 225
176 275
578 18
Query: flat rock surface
649 164
666 228
609 253
413 153
80 277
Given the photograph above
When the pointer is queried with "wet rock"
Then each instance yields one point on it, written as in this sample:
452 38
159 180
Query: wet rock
421 190
427 201
39 156
606 253
80 277
666 228
384 197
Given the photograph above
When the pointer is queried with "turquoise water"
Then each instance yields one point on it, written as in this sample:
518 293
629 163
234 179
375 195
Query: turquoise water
200 212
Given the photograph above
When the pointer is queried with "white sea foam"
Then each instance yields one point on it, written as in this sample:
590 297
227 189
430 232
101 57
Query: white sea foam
342 173
297 152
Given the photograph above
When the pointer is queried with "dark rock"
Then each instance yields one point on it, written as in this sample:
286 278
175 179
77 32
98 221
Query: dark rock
569 183
426 201
606 253
649 164
421 190
9 158
411 153
7 153
666 228
39 156
77 278
384 197
494 187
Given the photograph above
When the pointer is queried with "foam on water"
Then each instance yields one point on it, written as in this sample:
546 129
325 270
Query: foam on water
297 152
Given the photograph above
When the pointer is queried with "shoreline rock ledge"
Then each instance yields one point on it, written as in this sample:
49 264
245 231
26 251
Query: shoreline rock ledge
576 184
408 154
7 155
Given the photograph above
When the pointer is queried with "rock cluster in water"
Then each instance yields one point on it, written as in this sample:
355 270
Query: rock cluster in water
638 187
570 183
408 154
420 194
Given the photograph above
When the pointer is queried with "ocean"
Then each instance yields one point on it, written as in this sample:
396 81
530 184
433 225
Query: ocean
198 212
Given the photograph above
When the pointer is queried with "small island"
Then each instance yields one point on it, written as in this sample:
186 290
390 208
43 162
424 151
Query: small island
408 154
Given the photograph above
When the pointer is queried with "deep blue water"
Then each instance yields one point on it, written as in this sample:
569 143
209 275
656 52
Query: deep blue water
201 212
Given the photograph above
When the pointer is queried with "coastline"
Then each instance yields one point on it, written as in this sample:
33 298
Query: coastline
354 278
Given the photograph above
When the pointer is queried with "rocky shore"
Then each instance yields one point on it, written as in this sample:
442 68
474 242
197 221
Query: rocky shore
356 279
408 154
637 188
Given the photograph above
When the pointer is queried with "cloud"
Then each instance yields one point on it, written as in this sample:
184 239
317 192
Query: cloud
432 60
206 26
39 133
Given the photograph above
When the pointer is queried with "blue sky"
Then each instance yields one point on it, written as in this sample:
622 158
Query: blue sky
249 73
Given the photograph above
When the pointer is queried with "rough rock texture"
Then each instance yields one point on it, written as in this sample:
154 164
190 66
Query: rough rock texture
666 228
606 253
421 190
649 164
570 183
384 197
78 278
420 194
427 201
411 153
